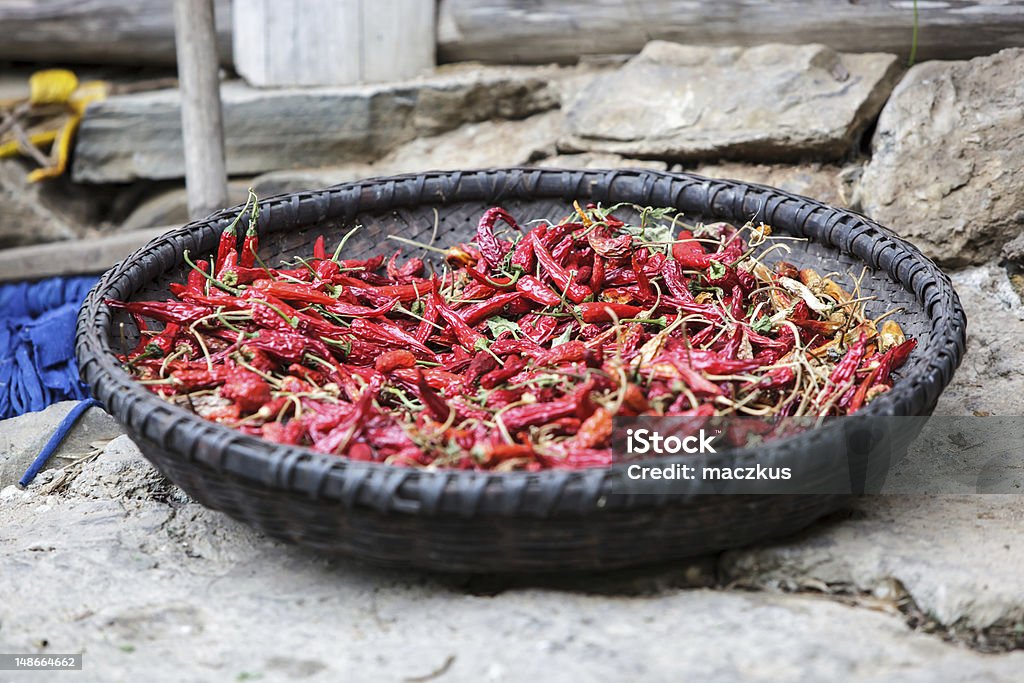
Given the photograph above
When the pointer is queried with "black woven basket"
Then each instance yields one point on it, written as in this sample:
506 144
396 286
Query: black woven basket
457 520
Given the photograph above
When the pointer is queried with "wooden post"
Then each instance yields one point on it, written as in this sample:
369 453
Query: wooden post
201 118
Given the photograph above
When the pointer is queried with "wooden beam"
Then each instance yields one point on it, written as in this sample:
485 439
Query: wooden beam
79 257
99 31
542 31
206 177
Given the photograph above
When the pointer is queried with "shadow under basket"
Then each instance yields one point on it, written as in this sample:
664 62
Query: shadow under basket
515 521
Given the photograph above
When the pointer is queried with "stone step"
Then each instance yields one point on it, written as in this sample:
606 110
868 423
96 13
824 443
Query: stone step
139 136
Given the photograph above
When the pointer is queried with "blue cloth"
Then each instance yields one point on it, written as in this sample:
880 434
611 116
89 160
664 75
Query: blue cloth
37 343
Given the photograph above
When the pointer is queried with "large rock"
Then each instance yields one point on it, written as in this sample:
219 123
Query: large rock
946 164
56 209
120 473
139 136
680 102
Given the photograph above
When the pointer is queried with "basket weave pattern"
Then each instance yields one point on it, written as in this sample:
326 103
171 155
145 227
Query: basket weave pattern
498 521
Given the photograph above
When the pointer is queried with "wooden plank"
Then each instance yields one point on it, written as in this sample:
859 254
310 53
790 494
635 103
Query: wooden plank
332 42
84 257
98 31
540 31
202 126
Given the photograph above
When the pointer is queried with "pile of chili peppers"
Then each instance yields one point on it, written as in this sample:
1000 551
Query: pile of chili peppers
517 350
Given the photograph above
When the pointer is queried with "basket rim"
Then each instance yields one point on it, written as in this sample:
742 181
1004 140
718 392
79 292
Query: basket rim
393 488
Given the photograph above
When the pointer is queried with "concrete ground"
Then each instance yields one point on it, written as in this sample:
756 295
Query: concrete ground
107 559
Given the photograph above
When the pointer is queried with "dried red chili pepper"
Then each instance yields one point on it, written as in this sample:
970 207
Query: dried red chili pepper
689 252
477 313
161 344
535 290
294 291
288 346
497 453
228 244
190 380
247 390
538 328
164 311
569 352
346 430
522 254
397 358
610 247
597 274
467 336
387 333
573 290
492 249
643 283
250 245
513 366
894 358
320 248
843 372
537 413
595 431
354 311
404 293
435 406
555 234
196 282
603 311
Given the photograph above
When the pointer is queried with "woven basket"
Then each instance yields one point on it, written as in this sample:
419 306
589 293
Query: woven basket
478 521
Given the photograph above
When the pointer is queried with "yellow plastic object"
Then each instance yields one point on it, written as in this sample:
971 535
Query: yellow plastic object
10 148
78 102
52 86
87 93
62 101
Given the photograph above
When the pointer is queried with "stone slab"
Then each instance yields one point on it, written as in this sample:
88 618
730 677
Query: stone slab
139 136
698 103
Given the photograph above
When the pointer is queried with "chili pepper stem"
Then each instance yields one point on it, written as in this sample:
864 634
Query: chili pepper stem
420 245
343 242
